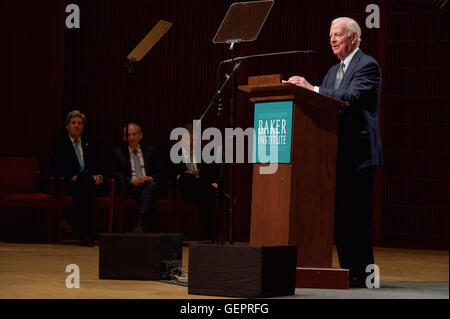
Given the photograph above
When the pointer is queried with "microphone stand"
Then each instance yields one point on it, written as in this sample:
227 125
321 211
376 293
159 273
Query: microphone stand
230 174
236 61
131 67
218 99
230 195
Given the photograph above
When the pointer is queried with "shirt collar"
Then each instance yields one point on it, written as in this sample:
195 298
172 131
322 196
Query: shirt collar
186 154
73 140
137 148
349 57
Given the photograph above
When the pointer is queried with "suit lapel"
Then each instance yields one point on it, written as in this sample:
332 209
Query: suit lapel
126 158
145 155
85 146
332 79
350 69
71 150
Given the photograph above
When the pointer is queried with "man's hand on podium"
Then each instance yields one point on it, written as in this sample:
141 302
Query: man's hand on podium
300 81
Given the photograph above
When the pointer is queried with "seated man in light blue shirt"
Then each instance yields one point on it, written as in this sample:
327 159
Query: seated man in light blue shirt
138 166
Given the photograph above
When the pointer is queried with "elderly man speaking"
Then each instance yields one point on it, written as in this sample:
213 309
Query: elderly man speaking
356 80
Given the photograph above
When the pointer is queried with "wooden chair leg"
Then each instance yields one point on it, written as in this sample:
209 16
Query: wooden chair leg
111 217
169 213
111 205
177 210
50 215
169 206
36 214
121 218
58 221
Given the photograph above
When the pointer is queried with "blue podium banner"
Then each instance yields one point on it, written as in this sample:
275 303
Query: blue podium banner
273 132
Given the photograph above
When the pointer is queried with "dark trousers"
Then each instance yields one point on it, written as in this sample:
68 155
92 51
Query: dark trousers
84 192
201 192
146 196
353 219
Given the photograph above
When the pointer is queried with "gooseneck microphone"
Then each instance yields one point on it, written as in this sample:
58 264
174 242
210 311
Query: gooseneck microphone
265 54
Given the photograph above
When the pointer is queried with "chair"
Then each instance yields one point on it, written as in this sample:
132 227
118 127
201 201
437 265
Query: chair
188 218
128 204
21 185
101 202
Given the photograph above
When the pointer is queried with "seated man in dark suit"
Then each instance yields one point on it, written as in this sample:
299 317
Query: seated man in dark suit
77 161
198 183
138 165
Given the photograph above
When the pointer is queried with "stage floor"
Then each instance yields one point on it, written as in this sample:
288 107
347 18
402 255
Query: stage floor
38 271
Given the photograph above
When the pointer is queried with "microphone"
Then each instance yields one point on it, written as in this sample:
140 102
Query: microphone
219 105
265 54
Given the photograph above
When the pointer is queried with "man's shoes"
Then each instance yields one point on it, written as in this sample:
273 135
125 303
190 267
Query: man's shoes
87 243
66 226
356 282
86 240
138 229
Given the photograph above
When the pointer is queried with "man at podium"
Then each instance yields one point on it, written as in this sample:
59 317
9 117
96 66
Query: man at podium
357 81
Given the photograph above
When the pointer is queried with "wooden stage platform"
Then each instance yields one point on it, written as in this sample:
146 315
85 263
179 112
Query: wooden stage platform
38 271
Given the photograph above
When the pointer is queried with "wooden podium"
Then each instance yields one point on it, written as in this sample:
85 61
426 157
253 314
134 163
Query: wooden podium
295 205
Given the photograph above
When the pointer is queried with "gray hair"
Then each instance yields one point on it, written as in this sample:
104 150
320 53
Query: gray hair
124 131
352 27
76 113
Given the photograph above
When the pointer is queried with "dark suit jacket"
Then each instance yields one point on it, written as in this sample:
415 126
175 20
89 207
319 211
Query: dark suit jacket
64 162
196 189
208 173
359 133
121 165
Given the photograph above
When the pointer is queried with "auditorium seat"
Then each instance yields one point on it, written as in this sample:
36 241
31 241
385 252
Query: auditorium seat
188 219
22 185
127 206
104 202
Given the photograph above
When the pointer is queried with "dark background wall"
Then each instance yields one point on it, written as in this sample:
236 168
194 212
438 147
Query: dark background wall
49 70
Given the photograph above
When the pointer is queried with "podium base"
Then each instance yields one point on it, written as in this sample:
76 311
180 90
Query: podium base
322 278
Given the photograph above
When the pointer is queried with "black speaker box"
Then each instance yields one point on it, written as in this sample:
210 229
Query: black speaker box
242 271
138 256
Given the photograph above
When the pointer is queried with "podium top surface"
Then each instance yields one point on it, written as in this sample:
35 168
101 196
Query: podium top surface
289 89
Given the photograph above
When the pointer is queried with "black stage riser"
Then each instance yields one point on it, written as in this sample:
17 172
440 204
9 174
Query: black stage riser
242 271
135 256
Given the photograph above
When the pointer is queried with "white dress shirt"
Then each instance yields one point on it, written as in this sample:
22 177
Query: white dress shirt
80 148
141 161
346 63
